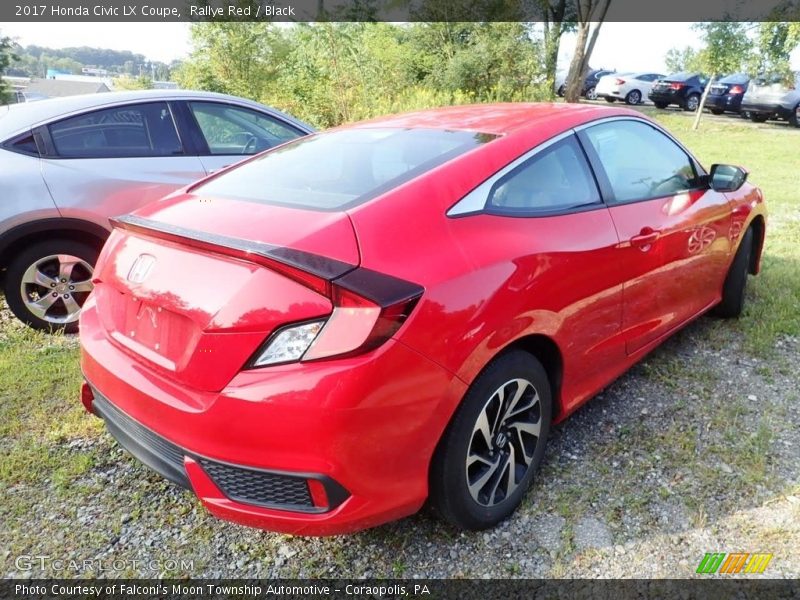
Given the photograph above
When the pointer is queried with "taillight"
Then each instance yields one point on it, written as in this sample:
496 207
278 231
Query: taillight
358 325
619 81
736 89
368 309
676 86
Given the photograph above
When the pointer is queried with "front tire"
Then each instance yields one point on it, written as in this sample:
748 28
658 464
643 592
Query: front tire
487 457
733 289
591 93
48 282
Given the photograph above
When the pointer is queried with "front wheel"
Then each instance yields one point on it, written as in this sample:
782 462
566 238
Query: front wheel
591 93
48 282
487 457
733 289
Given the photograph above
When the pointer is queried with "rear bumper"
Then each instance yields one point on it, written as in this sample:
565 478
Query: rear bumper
666 98
315 449
726 102
772 109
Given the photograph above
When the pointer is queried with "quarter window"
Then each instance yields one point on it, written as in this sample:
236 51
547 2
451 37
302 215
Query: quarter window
641 162
231 129
555 179
122 131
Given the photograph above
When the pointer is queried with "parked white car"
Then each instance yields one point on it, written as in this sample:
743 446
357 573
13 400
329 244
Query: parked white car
630 87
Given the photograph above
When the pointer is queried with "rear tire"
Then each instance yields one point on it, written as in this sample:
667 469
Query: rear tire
591 93
43 290
733 289
502 422
633 98
692 103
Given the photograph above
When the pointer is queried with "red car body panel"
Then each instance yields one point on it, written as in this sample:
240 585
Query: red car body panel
602 286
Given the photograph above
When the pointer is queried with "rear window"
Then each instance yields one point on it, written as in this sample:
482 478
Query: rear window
736 78
679 76
337 170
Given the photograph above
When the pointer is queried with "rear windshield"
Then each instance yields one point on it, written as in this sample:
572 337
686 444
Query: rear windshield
679 76
735 78
337 170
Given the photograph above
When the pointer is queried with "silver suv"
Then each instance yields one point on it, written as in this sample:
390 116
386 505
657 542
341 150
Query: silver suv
68 164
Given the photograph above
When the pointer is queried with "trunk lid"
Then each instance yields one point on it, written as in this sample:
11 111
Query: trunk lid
192 286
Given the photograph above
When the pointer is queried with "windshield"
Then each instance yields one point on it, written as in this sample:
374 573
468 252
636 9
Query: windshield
735 78
337 170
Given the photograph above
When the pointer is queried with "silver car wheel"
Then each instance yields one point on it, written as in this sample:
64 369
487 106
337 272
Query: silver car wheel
503 442
591 93
55 287
692 103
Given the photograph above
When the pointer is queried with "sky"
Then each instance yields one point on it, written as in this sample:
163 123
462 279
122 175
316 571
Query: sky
620 46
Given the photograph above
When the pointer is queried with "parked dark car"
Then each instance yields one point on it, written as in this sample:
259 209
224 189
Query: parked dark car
683 89
589 89
726 94
770 97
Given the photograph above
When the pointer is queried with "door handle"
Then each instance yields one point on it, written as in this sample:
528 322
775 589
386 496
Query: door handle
645 239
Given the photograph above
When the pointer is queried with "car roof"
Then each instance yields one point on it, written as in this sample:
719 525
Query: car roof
19 118
496 119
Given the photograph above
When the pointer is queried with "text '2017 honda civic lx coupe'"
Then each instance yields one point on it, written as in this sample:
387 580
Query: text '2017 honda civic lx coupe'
336 331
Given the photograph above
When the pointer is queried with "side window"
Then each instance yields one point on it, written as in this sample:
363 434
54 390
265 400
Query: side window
557 178
230 129
641 162
123 131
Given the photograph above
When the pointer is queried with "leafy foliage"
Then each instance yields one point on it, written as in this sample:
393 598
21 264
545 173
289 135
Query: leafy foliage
6 56
34 61
329 73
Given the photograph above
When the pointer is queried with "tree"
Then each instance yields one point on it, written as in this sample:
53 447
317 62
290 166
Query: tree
588 12
687 59
239 58
6 58
775 42
727 47
558 17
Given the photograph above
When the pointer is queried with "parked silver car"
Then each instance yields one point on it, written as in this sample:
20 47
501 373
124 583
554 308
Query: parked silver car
68 164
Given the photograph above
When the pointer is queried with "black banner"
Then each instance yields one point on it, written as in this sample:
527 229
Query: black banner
714 587
384 10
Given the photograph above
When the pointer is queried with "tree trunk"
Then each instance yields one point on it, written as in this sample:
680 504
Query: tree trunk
576 75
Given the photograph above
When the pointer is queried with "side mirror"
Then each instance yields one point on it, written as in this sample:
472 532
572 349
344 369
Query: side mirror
726 178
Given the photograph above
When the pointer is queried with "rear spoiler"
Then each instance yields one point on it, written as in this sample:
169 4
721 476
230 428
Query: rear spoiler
317 272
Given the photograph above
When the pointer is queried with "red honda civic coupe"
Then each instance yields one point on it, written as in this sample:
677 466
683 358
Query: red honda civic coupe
328 335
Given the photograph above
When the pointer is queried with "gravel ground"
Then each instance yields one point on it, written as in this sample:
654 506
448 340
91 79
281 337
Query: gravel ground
695 450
